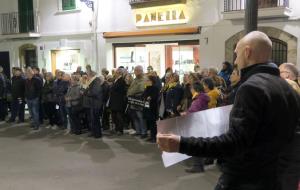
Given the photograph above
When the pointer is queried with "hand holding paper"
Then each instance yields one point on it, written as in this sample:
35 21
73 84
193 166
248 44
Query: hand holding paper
168 142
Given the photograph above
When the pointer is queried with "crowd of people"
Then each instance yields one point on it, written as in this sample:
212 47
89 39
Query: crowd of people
92 102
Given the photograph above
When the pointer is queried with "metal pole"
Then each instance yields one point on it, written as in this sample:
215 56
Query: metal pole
251 14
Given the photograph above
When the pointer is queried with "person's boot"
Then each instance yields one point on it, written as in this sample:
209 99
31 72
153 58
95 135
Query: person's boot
195 170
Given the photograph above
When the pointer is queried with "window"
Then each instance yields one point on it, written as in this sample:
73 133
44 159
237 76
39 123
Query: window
180 56
279 51
68 5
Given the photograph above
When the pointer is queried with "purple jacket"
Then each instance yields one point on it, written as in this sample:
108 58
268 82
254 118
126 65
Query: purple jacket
199 103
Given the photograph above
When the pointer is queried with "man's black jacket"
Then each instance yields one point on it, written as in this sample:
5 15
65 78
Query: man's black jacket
33 88
18 87
262 124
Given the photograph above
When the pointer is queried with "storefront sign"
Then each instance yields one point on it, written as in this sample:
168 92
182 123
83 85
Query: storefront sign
165 15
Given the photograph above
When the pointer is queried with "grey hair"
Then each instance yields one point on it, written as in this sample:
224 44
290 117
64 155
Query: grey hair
139 67
292 68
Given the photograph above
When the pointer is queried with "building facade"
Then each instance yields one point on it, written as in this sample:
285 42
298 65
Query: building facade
64 34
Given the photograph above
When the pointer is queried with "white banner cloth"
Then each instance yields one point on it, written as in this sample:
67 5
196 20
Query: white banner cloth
208 123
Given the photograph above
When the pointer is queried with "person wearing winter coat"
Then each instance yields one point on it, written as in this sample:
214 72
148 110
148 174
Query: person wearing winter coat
94 102
118 101
226 71
174 95
33 90
61 85
73 104
232 90
48 100
212 92
151 96
18 96
262 126
199 103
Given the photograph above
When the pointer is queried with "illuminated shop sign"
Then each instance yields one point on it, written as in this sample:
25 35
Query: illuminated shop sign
165 15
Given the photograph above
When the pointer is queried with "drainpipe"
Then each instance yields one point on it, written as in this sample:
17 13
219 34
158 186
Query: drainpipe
95 35
251 14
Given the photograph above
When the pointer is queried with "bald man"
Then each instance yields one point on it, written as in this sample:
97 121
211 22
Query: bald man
262 123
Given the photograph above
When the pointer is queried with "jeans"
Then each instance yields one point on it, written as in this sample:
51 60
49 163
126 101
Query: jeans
139 122
33 106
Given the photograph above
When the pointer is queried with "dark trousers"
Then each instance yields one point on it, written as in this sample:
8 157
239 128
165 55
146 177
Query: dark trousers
42 112
198 163
290 176
118 120
50 112
151 125
17 109
3 109
105 118
63 116
95 123
266 182
75 119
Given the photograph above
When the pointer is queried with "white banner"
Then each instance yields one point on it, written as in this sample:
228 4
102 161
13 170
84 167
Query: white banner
208 123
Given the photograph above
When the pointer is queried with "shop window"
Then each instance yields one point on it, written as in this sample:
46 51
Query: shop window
65 60
68 5
178 56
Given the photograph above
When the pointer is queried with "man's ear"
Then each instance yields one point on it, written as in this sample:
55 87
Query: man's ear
247 52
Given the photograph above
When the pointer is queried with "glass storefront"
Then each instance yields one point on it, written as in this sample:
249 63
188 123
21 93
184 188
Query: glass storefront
180 56
65 60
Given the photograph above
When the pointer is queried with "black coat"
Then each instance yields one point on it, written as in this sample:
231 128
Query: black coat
262 123
2 86
47 92
173 98
152 93
18 87
118 91
60 89
33 88
94 94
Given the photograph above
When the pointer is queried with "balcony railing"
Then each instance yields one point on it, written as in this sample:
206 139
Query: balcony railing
18 23
149 3
238 5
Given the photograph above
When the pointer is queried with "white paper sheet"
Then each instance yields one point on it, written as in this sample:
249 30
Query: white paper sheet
208 123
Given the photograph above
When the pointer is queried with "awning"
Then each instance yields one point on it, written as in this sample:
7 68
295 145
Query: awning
156 32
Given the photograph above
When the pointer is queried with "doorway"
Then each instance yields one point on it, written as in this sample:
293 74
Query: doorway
5 63
28 56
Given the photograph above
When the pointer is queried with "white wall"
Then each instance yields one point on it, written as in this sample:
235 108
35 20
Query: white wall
117 15
8 6
55 22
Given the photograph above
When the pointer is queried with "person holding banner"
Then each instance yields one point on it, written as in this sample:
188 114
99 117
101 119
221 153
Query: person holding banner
199 103
262 124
